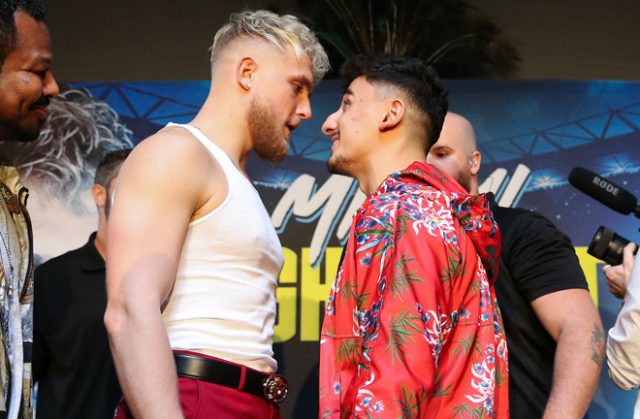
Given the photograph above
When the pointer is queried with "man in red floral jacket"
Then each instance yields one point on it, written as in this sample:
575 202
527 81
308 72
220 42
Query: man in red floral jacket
411 328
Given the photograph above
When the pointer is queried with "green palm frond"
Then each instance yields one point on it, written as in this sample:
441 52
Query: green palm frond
349 290
348 350
475 286
410 403
501 376
403 221
402 327
452 35
464 345
461 411
479 412
454 264
400 280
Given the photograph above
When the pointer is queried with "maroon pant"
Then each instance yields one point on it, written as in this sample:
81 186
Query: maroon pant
203 400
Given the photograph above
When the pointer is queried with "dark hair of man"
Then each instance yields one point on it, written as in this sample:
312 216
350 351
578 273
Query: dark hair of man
8 9
416 80
108 168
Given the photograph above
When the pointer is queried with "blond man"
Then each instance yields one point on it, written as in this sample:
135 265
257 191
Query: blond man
194 258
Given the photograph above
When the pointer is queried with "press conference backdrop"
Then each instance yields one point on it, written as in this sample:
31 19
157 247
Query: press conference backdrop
531 134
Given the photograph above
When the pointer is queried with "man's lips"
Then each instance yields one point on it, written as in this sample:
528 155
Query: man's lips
334 142
290 128
40 107
41 111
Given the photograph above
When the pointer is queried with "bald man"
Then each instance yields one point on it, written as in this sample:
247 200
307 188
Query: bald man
542 292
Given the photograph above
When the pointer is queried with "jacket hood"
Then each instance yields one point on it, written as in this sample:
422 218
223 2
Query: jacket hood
473 212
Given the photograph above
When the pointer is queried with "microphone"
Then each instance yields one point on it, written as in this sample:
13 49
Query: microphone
604 191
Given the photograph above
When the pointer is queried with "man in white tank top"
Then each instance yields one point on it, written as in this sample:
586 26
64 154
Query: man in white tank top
194 259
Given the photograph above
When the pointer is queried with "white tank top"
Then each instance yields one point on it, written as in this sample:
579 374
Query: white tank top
223 302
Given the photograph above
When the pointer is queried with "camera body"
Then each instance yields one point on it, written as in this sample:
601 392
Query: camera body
607 246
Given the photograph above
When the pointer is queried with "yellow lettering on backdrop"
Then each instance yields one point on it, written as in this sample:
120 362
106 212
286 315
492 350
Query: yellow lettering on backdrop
313 292
589 266
287 297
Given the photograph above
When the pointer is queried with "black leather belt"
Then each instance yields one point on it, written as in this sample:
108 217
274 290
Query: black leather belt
273 388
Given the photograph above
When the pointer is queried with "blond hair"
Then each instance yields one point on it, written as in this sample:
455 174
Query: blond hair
278 30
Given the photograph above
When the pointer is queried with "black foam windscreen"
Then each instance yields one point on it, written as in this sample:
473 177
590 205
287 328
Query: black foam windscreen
603 190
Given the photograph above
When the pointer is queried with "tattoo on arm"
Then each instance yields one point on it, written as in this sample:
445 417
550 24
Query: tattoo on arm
597 345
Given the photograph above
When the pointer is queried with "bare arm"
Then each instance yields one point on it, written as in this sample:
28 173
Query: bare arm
572 320
158 191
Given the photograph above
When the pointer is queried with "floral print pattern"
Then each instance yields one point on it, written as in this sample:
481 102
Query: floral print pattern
412 328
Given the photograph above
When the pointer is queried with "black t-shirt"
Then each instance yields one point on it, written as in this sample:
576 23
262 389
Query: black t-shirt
537 259
72 361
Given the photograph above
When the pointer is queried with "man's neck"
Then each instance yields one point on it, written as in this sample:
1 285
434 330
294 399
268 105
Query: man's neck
100 242
473 187
379 168
226 126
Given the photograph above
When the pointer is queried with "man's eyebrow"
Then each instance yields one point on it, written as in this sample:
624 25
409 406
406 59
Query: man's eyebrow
304 80
45 60
348 92
436 147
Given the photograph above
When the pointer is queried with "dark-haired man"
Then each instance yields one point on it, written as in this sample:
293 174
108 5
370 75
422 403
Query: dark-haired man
26 83
411 327
71 359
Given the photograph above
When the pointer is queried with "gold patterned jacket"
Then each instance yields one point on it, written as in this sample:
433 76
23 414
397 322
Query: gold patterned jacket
16 297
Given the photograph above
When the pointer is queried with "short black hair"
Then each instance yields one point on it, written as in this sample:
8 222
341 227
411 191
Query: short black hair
8 8
413 77
109 166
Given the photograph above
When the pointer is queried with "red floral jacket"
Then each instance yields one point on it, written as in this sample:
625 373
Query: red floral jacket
412 328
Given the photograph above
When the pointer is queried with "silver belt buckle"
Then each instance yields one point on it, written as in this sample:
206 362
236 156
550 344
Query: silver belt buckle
275 388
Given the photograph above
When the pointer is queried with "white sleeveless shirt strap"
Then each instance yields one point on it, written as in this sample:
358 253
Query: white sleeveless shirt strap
222 157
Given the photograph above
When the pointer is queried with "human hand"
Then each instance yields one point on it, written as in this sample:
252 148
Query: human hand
618 276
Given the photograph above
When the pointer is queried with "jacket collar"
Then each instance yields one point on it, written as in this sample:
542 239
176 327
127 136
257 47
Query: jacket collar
91 260
9 176
473 212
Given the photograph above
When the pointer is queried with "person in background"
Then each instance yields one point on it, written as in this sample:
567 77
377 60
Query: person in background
71 358
26 85
59 169
554 332
623 343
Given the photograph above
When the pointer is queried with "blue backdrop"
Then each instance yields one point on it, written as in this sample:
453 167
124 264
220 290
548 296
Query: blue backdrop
531 134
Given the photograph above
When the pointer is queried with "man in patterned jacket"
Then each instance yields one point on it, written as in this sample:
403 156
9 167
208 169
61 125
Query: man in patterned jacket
411 327
26 83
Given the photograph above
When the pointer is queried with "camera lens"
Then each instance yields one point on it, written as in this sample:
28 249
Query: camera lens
607 246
